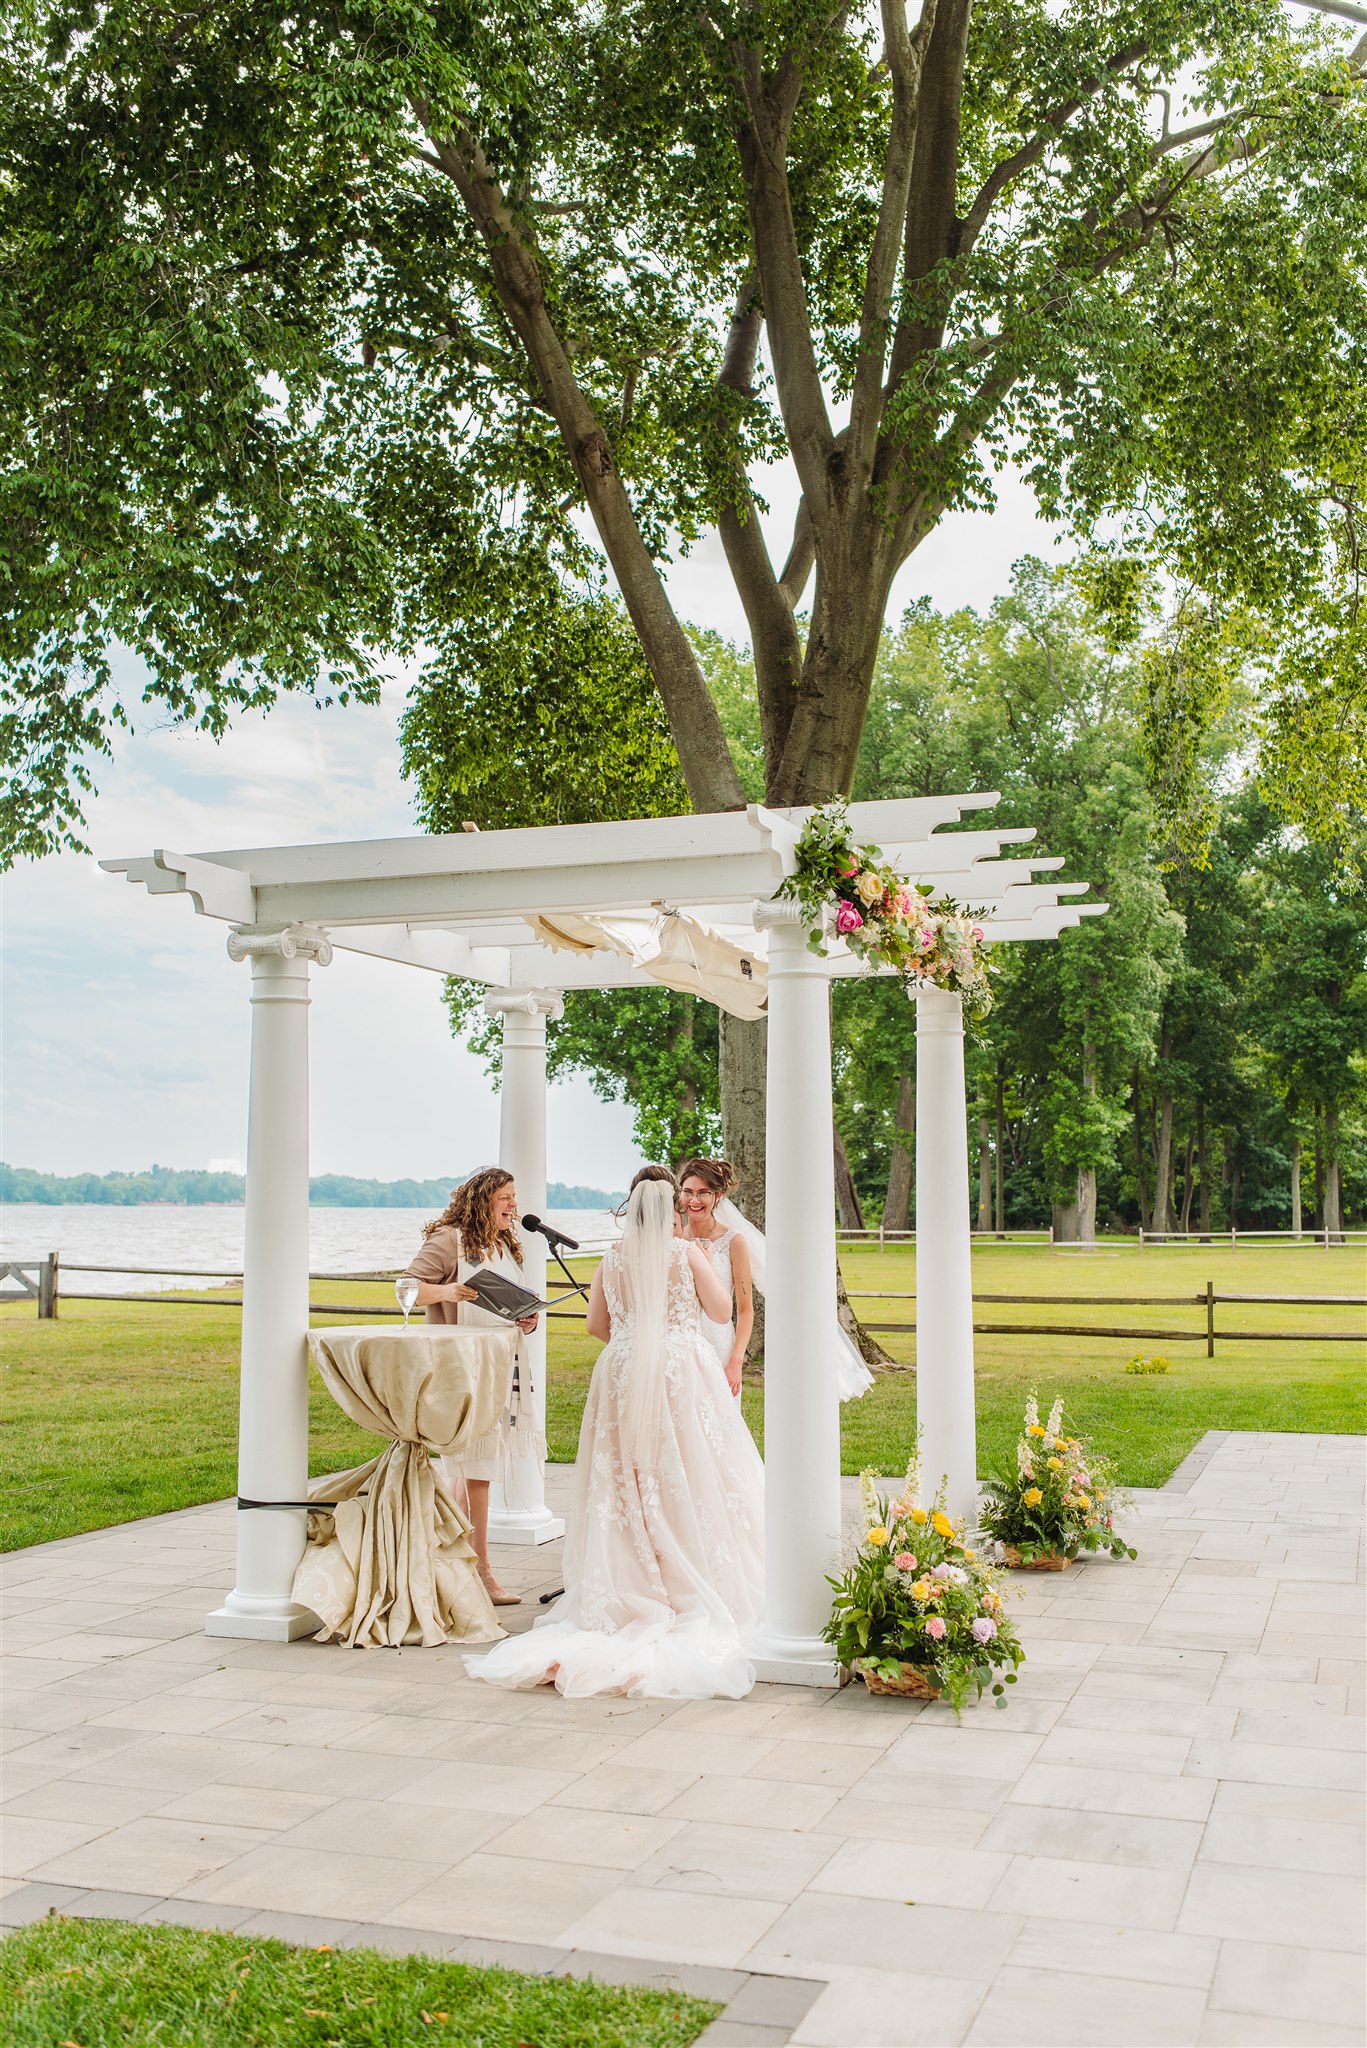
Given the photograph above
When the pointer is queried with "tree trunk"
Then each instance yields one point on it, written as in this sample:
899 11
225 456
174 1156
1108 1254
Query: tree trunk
846 1194
1187 1185
1086 1175
742 1069
1065 1222
1202 1172
1162 1151
1001 1150
1141 1185
897 1208
1333 1178
1319 1169
984 1174
1296 1183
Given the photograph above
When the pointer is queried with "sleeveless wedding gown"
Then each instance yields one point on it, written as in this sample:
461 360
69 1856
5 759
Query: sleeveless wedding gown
664 1559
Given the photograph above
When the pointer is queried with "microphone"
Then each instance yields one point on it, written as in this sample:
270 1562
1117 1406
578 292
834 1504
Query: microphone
553 1237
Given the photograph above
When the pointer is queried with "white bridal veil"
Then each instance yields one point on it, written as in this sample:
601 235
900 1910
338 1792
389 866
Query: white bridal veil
853 1377
647 1237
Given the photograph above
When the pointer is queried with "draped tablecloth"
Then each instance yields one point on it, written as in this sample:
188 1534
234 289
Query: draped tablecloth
393 1562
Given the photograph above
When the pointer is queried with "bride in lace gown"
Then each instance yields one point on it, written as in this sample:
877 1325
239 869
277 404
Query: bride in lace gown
664 1559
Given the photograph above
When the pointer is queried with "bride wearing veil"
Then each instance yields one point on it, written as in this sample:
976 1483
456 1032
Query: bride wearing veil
664 1556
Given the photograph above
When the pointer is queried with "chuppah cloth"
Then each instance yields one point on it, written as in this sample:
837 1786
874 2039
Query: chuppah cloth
393 1563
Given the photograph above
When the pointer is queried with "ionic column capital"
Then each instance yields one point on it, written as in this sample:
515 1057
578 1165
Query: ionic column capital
774 913
525 1002
291 942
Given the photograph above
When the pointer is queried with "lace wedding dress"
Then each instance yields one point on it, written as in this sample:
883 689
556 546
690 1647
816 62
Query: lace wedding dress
664 1559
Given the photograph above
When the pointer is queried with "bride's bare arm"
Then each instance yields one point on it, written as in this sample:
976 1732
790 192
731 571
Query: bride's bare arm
598 1321
745 1300
714 1297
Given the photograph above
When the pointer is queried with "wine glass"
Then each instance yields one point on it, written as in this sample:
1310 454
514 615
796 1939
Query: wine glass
406 1287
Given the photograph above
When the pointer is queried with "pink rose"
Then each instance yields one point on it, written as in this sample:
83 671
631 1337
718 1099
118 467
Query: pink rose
977 935
847 919
904 1561
935 1628
927 938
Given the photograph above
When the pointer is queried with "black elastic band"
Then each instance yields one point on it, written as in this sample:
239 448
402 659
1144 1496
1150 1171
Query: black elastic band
296 1503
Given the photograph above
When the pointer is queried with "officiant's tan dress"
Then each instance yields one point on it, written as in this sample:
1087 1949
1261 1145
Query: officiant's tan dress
443 1259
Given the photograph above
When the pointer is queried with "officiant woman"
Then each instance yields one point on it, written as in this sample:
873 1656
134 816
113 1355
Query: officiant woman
476 1229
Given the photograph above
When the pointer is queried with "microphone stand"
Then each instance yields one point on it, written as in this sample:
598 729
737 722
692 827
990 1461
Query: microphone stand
577 1285
579 1288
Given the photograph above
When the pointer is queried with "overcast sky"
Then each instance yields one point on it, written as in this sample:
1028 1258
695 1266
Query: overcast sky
126 1026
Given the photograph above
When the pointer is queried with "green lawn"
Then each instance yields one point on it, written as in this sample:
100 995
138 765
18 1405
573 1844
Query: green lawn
108 1984
117 1411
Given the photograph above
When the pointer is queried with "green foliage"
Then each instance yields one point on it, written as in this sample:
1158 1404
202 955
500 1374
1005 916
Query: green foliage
106 1980
274 414
538 709
1141 1365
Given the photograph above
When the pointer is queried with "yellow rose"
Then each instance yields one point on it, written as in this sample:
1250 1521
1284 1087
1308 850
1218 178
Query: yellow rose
1056 1464
970 1555
869 886
919 1515
876 1537
1032 1496
1035 1429
941 1524
923 1590
1083 1501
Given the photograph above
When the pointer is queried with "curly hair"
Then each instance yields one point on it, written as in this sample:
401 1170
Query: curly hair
718 1176
470 1209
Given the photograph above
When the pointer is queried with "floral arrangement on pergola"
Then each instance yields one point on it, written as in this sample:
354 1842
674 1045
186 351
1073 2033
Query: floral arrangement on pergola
883 917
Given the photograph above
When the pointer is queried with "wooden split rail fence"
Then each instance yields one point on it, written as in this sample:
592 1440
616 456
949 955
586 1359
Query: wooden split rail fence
38 1280
1208 1300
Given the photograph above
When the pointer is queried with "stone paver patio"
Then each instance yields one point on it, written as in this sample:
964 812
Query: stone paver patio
1159 1842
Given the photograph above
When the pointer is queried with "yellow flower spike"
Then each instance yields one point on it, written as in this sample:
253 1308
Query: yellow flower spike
876 1537
1032 1496
941 1524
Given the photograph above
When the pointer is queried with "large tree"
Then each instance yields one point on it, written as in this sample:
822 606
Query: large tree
331 330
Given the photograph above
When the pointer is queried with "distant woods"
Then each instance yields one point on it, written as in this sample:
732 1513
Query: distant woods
198 1188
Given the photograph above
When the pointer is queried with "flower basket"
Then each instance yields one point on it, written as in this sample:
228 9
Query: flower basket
1062 1498
1044 1561
915 1683
917 1612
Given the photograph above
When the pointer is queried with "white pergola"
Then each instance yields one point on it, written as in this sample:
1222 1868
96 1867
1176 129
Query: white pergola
684 902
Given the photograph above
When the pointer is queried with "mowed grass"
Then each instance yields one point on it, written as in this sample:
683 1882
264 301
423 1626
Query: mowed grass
98 1983
116 1411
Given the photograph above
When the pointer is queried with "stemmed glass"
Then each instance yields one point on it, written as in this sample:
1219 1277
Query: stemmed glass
406 1287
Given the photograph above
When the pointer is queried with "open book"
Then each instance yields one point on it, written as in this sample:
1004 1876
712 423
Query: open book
505 1298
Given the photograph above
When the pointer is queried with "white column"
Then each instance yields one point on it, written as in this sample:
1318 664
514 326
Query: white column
273 1427
801 1408
944 1272
517 1507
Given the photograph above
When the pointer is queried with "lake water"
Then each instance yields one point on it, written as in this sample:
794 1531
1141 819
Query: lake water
203 1241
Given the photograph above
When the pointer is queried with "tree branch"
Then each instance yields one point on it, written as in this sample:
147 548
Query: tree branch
708 768
931 223
904 53
768 607
762 141
1054 122
801 556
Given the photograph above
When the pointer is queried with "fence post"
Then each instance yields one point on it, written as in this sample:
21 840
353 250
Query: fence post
1210 1319
47 1288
